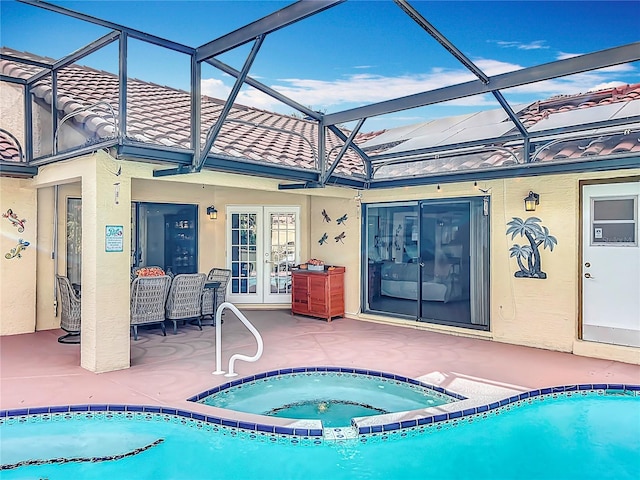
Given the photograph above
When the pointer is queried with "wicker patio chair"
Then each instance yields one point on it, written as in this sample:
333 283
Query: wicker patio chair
212 297
70 314
148 299
185 299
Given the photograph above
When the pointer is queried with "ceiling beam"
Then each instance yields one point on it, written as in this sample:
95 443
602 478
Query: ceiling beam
214 131
442 40
78 54
583 63
590 164
26 61
275 21
264 89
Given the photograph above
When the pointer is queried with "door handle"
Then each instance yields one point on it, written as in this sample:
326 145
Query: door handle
588 275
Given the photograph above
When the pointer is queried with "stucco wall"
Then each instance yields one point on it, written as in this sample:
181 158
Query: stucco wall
524 311
18 274
342 251
534 312
212 233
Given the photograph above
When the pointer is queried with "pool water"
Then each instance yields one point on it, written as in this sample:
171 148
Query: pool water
334 398
582 436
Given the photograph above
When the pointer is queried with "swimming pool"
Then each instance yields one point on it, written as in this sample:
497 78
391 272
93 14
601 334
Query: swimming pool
334 397
579 431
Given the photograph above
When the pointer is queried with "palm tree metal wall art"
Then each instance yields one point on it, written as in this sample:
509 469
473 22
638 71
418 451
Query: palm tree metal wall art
528 256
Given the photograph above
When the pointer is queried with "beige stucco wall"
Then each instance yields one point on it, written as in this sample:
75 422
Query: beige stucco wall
18 274
532 312
539 313
344 252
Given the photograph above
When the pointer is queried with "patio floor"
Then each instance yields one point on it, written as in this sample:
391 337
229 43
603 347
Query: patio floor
38 371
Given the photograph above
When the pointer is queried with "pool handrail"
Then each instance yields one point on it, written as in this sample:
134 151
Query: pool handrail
235 356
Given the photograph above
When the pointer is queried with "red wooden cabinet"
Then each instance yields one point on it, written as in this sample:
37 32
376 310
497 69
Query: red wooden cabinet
318 294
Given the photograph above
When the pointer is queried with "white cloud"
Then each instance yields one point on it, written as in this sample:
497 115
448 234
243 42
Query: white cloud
565 55
535 45
365 88
214 88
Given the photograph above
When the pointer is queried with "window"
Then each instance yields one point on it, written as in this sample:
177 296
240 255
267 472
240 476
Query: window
613 221
74 240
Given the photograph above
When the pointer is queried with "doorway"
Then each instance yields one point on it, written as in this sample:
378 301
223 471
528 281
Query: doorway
165 235
264 245
610 267
428 261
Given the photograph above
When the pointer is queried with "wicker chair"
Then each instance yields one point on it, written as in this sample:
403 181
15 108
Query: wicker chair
148 298
185 299
212 297
70 314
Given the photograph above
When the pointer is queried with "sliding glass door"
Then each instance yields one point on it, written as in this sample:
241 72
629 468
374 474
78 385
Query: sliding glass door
429 261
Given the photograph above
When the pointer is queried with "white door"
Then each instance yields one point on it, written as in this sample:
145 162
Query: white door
611 264
263 244
281 253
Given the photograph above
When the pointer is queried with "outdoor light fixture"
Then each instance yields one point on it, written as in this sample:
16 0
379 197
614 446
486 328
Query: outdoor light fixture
212 212
531 201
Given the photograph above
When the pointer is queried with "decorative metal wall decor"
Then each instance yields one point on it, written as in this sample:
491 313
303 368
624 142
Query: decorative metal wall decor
340 221
528 256
15 221
16 252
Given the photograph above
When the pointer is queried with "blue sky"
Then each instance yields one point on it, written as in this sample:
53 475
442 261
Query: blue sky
353 54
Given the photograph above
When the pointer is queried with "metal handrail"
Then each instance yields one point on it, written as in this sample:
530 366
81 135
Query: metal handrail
235 356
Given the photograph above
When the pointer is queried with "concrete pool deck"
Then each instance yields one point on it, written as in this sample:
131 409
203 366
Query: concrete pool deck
37 371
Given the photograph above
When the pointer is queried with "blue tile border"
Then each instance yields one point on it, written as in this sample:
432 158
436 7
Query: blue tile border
484 409
148 409
611 389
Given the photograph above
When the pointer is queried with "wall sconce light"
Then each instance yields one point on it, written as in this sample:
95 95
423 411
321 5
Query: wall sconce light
531 201
212 212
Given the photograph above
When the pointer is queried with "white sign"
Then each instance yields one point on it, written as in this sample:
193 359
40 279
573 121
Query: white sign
114 238
598 232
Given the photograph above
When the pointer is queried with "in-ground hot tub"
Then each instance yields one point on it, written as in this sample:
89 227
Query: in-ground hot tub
332 395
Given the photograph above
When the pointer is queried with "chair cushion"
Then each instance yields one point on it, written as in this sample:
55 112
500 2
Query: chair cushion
150 272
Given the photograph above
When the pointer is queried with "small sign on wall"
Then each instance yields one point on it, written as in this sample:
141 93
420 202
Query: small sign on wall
114 238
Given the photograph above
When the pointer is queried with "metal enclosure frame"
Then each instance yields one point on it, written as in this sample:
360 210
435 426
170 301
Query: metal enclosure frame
200 156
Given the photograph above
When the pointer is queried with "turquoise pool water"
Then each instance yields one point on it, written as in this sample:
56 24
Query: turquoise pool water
332 397
582 436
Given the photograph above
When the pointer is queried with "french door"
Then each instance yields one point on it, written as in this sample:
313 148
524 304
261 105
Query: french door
263 245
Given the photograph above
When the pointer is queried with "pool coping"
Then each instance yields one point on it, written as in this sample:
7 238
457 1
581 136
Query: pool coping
362 430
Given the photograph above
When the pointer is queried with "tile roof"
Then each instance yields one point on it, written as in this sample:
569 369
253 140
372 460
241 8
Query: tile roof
160 115
564 110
